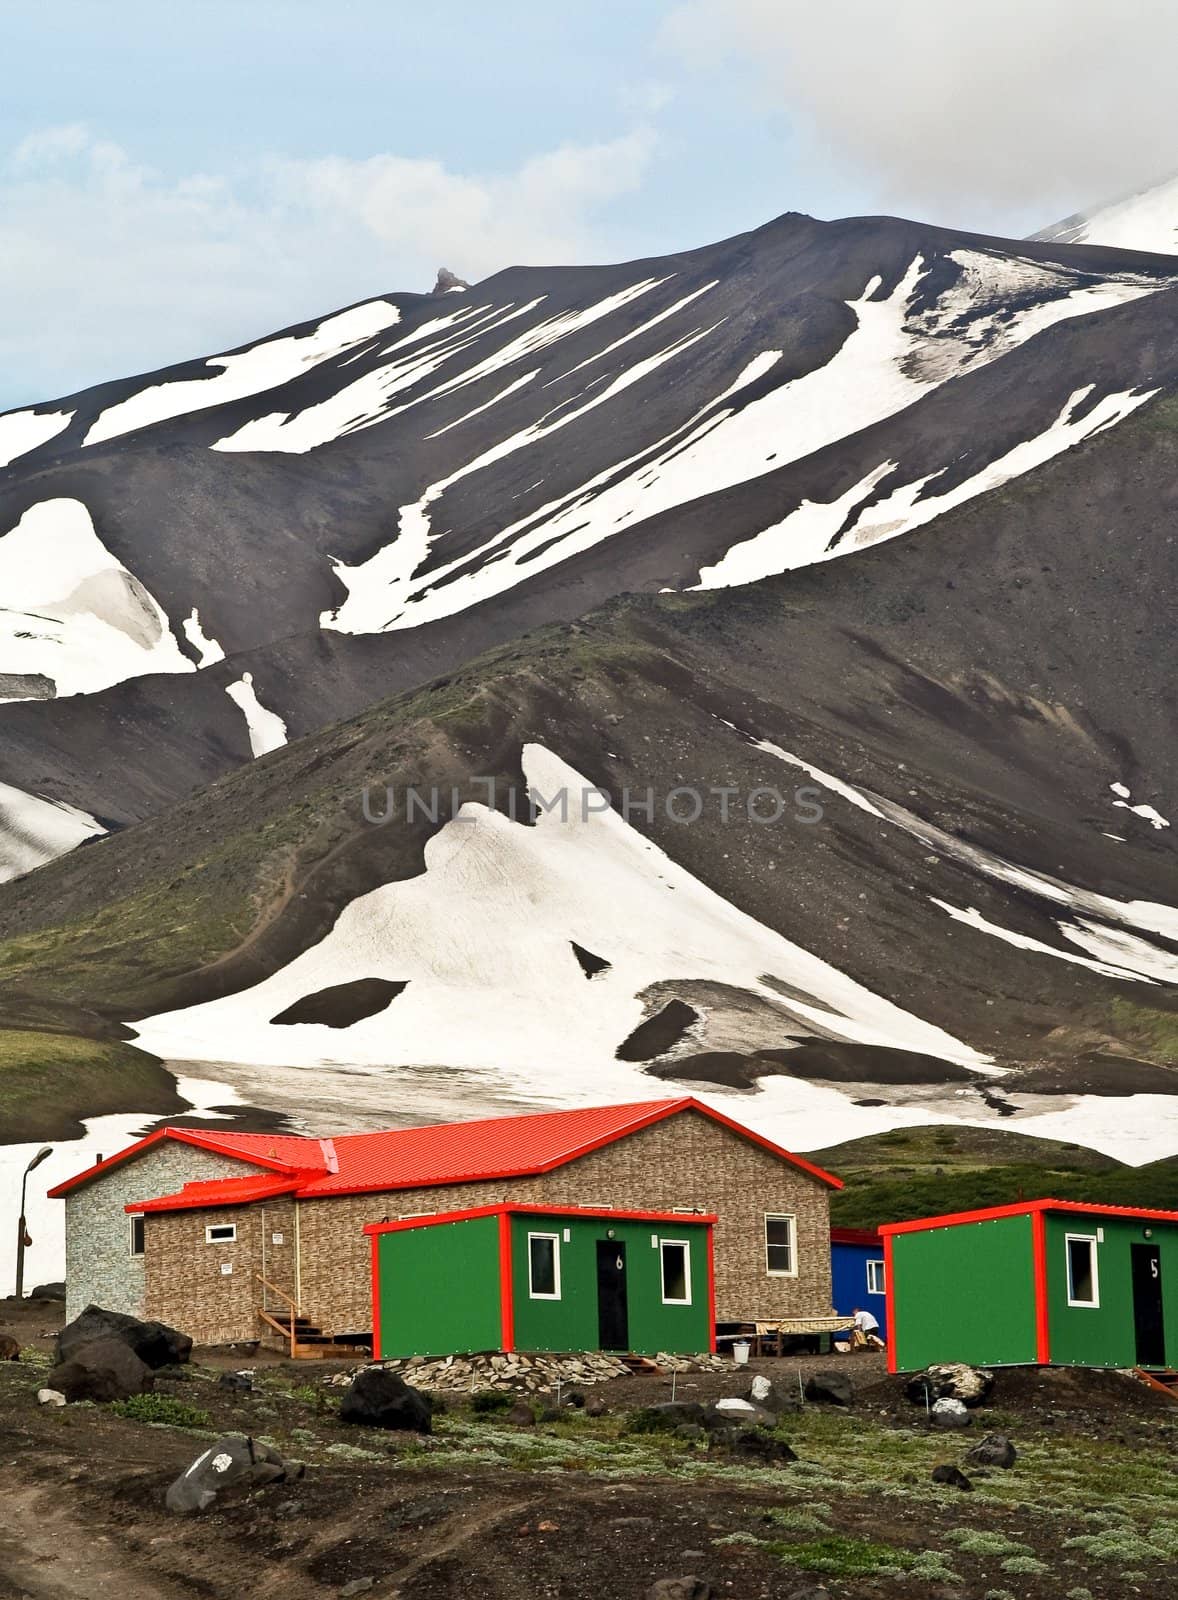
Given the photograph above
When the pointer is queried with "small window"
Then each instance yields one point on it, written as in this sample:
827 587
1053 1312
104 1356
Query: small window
779 1247
137 1236
676 1268
221 1233
875 1277
544 1266
1083 1285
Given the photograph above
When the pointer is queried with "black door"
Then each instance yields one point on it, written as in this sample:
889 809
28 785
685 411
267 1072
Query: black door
613 1321
1147 1305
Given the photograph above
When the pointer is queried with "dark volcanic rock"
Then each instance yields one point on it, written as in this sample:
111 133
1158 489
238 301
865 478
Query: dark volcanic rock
679 1589
753 1444
379 1399
103 1369
995 1450
48 1291
153 1342
9 1348
666 1416
952 1476
235 1464
830 1388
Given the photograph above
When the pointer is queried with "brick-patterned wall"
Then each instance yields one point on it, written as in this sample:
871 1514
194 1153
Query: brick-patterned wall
685 1160
99 1267
185 1283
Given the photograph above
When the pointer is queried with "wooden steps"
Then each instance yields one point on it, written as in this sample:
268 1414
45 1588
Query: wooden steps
306 1341
1166 1382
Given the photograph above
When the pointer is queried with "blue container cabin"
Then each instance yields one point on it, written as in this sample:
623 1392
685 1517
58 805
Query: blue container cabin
857 1274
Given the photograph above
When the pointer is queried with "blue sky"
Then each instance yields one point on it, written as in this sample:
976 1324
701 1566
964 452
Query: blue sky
180 176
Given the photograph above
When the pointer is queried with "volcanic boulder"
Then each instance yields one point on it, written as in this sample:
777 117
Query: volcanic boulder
154 1343
103 1369
379 1399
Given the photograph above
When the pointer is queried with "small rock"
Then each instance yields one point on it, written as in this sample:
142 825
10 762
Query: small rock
812 1591
830 1388
232 1463
48 1291
595 1406
50 1397
242 1382
753 1444
949 1414
521 1415
377 1398
952 1476
954 1380
679 1589
995 1450
357 1586
9 1348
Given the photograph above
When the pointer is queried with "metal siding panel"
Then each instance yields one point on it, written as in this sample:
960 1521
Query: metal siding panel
1104 1335
965 1293
570 1323
438 1289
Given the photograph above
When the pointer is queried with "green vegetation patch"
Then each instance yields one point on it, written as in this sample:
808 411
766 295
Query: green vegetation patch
161 1410
43 1074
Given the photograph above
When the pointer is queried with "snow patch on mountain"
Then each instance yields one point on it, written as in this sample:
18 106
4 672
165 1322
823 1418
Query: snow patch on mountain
1144 220
381 588
1124 800
250 371
71 612
34 830
22 431
267 730
365 402
1112 951
207 649
483 938
818 531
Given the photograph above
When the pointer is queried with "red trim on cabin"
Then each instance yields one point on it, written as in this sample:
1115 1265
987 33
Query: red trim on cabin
1025 1208
889 1303
855 1236
712 1288
377 1353
1039 1268
430 1219
506 1285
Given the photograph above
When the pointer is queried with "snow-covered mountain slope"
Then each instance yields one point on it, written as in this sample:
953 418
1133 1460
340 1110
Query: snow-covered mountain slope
440 499
1144 220
345 509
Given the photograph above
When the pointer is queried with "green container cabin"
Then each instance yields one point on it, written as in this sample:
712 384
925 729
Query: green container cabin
1043 1282
542 1278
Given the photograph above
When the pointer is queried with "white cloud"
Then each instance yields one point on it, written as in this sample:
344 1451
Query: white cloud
108 266
969 112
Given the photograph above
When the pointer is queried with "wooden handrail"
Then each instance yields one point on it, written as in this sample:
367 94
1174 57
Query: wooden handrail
291 1302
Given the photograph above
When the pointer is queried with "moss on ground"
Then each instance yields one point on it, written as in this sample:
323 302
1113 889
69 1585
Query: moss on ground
44 1075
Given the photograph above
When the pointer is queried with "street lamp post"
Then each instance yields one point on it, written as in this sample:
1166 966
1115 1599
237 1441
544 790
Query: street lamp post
21 1234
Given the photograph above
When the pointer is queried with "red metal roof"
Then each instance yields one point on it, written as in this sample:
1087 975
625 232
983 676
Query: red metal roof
441 1153
219 1192
1026 1208
855 1236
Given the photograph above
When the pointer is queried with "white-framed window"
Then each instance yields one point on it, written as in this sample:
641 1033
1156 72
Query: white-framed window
1083 1274
875 1277
544 1266
781 1256
221 1233
675 1271
136 1242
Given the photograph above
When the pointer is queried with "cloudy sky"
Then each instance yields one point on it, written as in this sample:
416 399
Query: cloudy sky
179 176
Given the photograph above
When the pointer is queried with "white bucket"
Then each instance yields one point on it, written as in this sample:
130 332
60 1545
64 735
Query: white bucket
740 1352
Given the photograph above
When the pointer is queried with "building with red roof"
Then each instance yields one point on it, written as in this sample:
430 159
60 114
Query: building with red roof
232 1236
